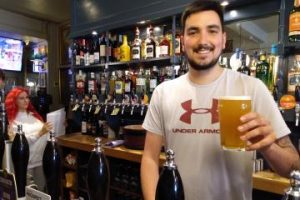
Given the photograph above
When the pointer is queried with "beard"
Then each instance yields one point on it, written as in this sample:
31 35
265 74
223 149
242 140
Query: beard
205 66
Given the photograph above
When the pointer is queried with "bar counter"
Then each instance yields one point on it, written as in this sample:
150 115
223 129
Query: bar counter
264 180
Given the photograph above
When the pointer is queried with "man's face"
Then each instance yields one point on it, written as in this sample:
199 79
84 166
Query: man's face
203 39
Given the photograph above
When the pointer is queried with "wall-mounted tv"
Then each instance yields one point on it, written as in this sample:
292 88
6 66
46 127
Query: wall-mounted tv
11 52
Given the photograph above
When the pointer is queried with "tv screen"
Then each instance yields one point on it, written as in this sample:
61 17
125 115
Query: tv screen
11 52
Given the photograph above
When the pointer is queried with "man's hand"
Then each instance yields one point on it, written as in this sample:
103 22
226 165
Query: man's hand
257 131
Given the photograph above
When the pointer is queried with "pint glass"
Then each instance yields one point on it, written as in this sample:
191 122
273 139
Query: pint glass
231 108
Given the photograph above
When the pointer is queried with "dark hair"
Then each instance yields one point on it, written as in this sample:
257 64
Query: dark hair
202 5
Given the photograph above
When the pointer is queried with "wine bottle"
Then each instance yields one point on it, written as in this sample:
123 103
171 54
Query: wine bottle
169 186
20 157
98 175
51 167
294 18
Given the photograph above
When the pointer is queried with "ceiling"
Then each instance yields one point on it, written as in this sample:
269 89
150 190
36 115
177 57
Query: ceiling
57 11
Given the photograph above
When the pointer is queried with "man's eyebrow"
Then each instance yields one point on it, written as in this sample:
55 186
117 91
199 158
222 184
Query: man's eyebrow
214 26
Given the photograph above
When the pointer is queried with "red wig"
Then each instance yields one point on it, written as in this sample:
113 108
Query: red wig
11 104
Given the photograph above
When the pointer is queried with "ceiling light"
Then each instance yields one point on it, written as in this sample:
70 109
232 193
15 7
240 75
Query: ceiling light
233 13
224 3
142 22
94 33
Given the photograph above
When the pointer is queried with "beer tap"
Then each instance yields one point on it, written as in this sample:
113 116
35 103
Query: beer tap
51 167
98 175
293 192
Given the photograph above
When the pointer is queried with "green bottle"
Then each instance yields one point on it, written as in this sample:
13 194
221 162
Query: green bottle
263 68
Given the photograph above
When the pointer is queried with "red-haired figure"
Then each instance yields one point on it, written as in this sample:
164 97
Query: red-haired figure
21 112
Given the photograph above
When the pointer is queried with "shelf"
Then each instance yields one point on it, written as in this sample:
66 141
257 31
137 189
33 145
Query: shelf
168 60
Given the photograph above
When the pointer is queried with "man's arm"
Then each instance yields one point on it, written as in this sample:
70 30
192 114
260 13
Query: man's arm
150 165
282 156
280 153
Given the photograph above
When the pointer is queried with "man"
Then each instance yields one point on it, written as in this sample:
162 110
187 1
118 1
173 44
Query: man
183 115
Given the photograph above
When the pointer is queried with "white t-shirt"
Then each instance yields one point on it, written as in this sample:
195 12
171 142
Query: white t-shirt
185 114
31 126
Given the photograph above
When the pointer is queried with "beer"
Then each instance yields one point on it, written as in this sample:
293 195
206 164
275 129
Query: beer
231 108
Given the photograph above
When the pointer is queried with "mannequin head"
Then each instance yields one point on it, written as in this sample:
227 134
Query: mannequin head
17 100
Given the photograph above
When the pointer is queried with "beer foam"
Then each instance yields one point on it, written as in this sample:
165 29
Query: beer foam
235 98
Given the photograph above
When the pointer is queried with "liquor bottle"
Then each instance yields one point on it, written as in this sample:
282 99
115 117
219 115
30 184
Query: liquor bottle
91 52
108 49
292 193
294 26
76 52
136 46
262 68
178 44
92 84
253 64
125 50
96 51
116 50
81 52
80 83
112 83
169 186
119 87
83 119
292 73
102 49
273 61
128 83
243 68
150 44
164 46
51 167
86 52
153 79
20 157
98 174
140 83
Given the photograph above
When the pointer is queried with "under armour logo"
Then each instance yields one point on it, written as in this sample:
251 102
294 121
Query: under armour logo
187 106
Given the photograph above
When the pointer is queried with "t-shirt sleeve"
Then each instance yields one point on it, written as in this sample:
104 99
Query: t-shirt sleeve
265 105
153 121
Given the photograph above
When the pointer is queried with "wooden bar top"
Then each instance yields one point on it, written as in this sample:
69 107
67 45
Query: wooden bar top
264 180
87 143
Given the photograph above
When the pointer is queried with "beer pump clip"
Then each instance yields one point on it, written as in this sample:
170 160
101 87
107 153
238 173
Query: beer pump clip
293 193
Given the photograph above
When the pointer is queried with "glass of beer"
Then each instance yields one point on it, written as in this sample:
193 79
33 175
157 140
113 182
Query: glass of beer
231 108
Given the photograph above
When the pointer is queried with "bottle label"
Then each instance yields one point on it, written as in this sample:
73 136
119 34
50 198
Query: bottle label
117 53
80 84
293 79
77 61
96 57
153 83
140 81
119 87
92 59
83 127
127 87
164 50
102 50
136 53
108 51
150 51
294 25
91 85
177 46
86 59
